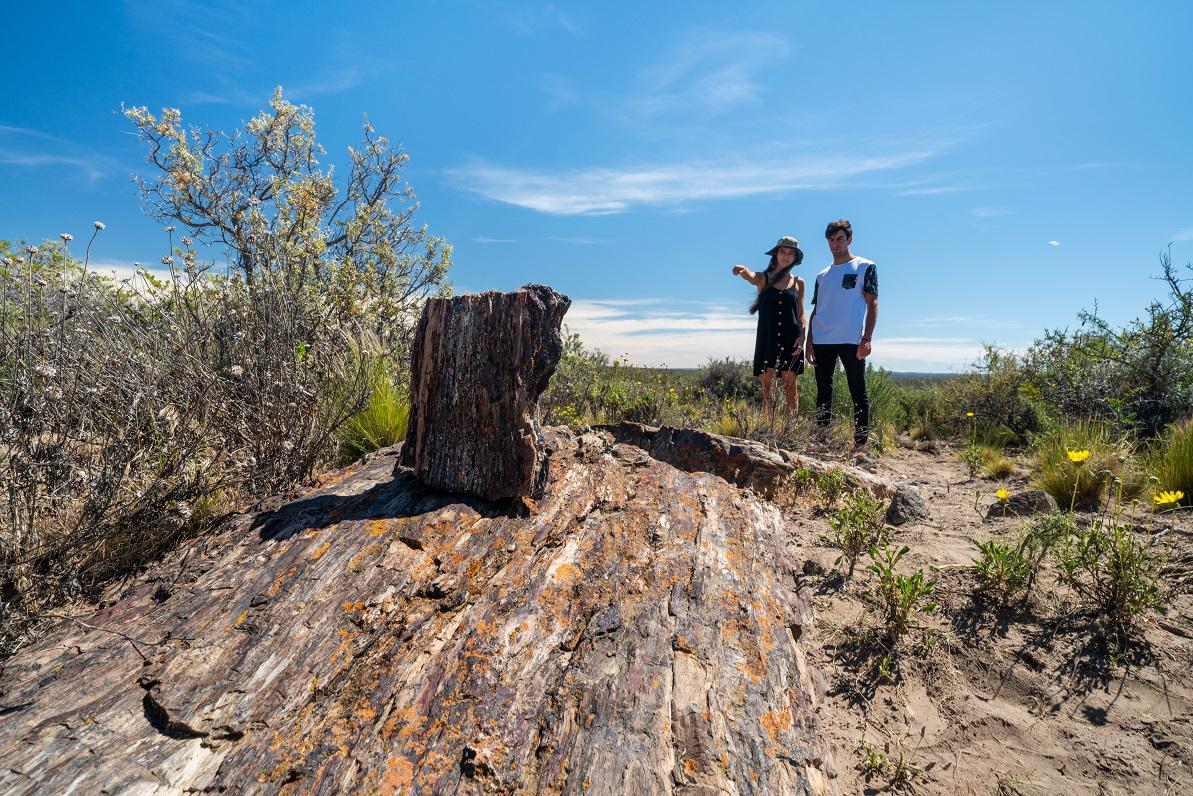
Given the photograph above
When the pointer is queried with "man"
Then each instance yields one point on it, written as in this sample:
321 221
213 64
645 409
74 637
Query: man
844 311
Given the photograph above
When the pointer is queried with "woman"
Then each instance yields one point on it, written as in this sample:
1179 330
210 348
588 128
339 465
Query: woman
780 307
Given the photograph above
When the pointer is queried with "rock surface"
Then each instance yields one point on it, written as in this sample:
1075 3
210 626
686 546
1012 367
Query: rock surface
1024 504
635 631
906 506
478 365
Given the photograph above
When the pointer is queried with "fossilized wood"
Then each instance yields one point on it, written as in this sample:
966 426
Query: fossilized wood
638 631
739 461
478 365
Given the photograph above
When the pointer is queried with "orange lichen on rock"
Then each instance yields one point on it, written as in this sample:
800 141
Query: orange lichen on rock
315 556
376 527
399 774
776 722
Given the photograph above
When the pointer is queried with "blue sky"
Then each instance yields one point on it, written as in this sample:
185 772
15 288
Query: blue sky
1005 164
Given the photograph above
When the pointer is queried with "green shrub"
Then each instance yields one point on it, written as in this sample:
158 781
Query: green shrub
857 526
900 597
1114 573
996 396
728 380
1079 484
1137 377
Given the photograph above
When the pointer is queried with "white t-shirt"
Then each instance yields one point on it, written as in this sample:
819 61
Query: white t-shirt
840 307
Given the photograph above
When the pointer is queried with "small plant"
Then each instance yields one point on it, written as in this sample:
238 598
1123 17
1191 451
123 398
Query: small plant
803 478
973 456
1001 570
873 762
900 597
1042 535
1113 572
830 483
857 527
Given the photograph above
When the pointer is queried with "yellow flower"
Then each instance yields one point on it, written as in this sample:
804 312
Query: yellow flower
1002 494
969 414
1168 498
1077 457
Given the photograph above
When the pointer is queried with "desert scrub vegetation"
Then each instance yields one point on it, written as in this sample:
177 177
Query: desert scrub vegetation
133 413
857 526
900 598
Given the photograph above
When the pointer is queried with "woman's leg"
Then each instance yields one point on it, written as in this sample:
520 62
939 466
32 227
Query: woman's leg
791 391
768 384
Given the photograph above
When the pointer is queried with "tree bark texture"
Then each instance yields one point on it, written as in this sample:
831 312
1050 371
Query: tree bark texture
637 630
478 365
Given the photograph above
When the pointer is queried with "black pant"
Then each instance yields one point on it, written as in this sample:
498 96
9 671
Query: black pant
855 375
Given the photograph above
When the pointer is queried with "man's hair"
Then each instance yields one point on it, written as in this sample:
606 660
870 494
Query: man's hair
840 225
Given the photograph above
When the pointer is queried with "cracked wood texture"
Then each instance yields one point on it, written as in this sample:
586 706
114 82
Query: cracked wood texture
478 365
635 631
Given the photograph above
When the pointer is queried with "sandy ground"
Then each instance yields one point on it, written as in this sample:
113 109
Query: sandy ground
1024 700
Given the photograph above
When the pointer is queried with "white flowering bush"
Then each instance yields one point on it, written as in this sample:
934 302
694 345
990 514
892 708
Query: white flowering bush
133 413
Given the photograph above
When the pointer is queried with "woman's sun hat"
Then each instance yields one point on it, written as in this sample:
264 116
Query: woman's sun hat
785 241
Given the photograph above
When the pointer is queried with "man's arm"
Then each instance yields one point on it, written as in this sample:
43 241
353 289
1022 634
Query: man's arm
810 356
865 346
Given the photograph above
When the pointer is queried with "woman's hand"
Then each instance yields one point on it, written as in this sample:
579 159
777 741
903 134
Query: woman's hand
738 270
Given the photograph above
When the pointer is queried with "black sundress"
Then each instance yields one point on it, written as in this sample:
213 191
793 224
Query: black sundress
778 330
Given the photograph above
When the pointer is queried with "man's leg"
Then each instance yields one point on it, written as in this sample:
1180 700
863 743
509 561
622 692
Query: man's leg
855 375
826 363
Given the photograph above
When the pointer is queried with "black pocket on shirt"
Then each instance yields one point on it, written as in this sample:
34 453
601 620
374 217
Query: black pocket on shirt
849 281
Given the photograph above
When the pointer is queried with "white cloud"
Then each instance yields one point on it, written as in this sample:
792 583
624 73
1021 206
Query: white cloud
686 334
494 240
1053 243
1183 234
711 71
599 191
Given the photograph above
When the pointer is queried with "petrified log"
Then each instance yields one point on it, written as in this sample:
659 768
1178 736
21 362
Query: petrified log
478 365
638 633
739 461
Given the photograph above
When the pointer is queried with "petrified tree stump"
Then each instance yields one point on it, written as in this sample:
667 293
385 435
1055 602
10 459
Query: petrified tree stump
639 633
478 366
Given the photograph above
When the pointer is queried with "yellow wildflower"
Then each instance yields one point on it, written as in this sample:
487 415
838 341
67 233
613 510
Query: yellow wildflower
1002 494
969 414
1077 457
1168 498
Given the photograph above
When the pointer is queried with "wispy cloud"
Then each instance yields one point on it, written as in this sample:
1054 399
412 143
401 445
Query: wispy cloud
685 334
580 241
336 82
494 240
990 212
1183 234
711 71
28 148
599 191
1053 243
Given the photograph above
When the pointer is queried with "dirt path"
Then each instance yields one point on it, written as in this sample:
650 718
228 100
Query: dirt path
1020 701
